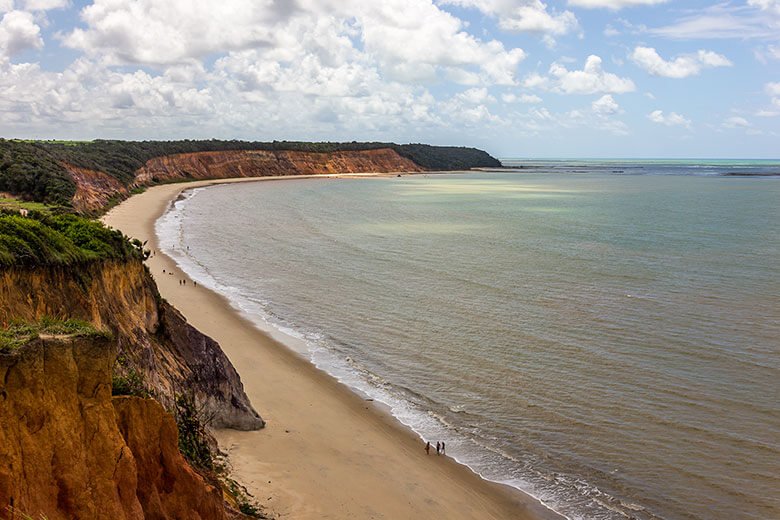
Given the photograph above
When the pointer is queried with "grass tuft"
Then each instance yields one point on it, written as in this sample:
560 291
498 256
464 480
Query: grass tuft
19 333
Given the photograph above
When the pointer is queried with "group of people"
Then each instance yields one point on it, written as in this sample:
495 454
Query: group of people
440 447
182 281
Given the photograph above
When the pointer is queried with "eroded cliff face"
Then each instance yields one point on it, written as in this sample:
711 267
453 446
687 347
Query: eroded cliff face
151 336
94 189
261 163
70 450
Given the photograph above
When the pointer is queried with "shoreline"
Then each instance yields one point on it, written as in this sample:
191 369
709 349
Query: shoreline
326 452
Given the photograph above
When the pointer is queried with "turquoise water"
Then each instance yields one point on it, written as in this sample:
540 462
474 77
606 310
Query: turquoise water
608 343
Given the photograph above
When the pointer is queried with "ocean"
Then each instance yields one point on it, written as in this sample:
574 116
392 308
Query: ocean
604 335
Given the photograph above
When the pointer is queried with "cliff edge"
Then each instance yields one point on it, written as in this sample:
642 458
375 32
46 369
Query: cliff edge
153 340
70 450
81 323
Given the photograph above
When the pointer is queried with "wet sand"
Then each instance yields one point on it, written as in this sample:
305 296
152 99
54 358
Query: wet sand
325 452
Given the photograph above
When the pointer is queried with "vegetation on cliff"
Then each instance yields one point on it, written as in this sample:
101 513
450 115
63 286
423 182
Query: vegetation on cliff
19 333
36 170
60 240
75 411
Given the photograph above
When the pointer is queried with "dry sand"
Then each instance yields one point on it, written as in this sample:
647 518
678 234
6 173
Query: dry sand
326 452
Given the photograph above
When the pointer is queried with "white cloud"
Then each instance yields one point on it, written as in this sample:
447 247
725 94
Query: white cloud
469 107
522 98
18 32
408 33
410 40
773 90
540 119
524 15
605 105
613 4
44 5
671 119
174 31
736 122
770 6
757 20
592 79
680 67
475 96
6 5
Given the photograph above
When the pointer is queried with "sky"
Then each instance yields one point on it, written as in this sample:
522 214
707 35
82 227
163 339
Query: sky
518 78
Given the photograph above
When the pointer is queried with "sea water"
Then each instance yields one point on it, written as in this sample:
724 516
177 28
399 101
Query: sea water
609 343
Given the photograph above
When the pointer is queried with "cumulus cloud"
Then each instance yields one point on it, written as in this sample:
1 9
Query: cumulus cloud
613 4
403 33
524 15
410 40
174 31
88 97
592 79
322 69
680 67
605 105
470 107
670 119
18 32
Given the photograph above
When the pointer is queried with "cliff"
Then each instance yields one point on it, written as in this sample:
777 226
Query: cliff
70 450
90 176
264 163
152 339
94 189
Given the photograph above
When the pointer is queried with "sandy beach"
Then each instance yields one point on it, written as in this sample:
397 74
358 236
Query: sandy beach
326 452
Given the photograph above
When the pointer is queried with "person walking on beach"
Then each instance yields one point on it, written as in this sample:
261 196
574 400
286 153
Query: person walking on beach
428 448
442 448
438 448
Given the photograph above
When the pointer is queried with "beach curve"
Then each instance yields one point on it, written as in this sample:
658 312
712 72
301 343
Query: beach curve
326 452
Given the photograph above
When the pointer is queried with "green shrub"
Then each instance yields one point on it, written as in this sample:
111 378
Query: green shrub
131 382
193 437
63 240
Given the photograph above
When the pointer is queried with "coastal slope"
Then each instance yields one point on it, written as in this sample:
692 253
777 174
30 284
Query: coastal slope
94 365
92 176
